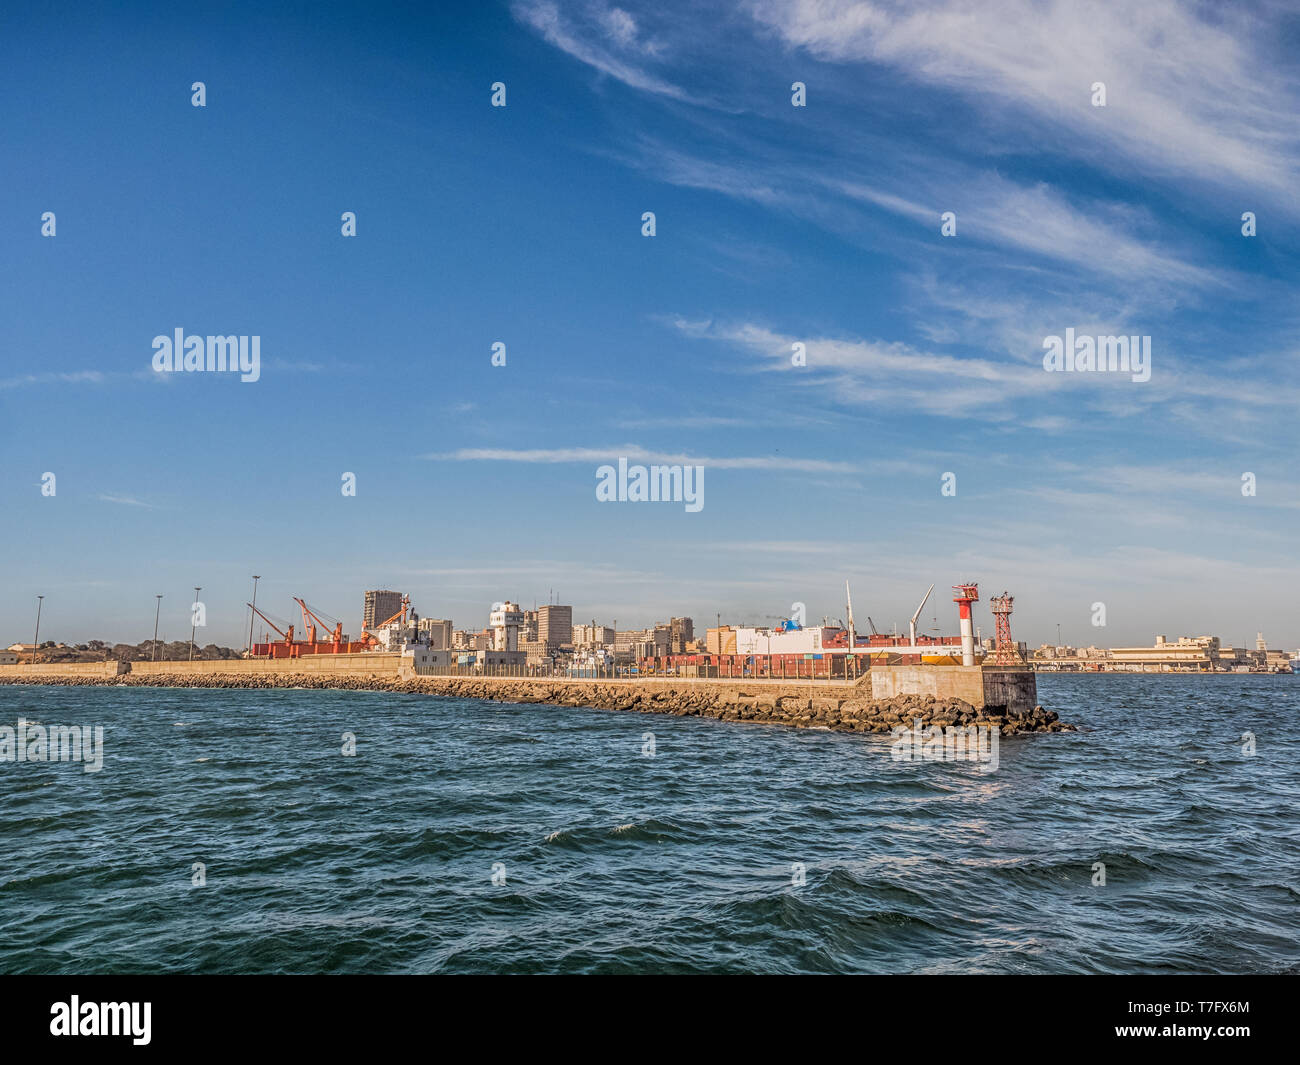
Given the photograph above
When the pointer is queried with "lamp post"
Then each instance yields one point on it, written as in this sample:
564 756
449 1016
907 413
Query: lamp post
36 640
252 615
156 610
193 619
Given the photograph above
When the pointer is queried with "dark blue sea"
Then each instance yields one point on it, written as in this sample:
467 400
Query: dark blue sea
610 861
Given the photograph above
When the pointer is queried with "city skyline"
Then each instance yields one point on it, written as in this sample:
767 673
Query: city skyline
775 226
932 620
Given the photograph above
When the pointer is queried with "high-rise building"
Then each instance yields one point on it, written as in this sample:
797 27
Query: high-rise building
682 632
554 626
380 606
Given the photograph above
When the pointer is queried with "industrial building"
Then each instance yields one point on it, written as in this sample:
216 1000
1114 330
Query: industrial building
1197 654
1187 654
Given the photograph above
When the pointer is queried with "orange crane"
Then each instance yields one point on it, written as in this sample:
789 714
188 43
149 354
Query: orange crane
335 631
289 650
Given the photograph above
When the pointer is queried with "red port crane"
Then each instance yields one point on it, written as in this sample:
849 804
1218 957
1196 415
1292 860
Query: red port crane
335 631
289 650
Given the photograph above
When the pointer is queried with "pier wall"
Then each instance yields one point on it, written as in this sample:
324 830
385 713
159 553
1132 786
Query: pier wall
50 670
361 666
1016 689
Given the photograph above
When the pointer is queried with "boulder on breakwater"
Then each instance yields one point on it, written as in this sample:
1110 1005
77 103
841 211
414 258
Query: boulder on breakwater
764 704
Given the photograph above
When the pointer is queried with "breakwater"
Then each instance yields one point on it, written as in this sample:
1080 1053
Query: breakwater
845 708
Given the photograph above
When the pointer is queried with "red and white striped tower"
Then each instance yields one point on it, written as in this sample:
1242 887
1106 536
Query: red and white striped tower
966 595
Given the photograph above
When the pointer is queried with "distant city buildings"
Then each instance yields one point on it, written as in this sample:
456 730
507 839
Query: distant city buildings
1187 654
546 638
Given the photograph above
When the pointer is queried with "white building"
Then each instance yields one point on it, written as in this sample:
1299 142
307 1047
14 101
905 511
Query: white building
592 635
505 622
783 642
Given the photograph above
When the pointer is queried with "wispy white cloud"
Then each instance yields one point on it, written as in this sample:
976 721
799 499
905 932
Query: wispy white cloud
1187 94
80 377
878 373
596 37
1039 219
125 501
1110 240
637 453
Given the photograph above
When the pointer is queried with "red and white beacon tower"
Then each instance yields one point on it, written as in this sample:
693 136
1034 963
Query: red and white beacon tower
966 595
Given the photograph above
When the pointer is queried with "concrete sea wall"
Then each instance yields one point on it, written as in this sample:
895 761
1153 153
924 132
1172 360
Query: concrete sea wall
51 672
1016 689
356 665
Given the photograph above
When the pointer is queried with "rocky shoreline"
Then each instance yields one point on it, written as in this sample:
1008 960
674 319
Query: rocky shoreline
726 703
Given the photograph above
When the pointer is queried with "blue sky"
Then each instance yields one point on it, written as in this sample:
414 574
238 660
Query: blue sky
775 225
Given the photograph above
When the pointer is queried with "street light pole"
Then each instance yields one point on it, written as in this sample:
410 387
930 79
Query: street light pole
252 615
193 619
156 610
36 640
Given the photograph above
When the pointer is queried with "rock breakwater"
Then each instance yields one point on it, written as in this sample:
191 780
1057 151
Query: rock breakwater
843 710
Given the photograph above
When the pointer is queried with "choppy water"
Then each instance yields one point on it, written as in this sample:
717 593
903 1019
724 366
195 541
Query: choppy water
617 862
